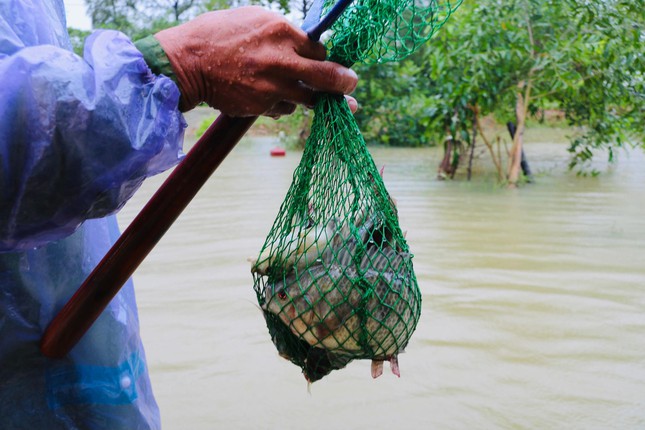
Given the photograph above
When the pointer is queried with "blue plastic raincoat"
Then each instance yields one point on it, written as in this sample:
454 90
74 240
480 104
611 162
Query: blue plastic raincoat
77 137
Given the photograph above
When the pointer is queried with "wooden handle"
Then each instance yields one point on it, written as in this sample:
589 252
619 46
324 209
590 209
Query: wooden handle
142 235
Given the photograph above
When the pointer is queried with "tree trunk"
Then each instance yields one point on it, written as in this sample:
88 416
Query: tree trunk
515 158
445 167
524 163
472 148
457 151
497 160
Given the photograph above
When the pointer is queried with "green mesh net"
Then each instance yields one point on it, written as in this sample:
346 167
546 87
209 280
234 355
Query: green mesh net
335 278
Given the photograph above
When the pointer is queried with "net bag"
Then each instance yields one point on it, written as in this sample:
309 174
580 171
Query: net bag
335 278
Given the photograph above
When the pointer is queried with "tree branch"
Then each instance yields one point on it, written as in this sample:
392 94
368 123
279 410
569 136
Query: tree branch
496 162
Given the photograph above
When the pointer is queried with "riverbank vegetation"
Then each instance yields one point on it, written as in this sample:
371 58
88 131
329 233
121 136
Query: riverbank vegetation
576 63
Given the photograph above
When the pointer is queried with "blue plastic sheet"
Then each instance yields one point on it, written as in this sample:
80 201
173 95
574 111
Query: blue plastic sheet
77 138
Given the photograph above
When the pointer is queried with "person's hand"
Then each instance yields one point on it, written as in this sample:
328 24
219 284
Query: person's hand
353 104
248 62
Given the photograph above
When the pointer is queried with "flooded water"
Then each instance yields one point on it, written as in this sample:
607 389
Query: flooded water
533 304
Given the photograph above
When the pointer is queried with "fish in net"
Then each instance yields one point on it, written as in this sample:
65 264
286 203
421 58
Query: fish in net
335 278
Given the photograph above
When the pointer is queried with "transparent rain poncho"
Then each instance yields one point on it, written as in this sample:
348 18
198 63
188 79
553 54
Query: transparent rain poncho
77 138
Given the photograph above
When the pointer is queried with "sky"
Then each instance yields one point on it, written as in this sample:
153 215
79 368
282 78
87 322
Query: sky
76 15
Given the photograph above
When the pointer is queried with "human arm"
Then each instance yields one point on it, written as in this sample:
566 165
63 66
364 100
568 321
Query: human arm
78 136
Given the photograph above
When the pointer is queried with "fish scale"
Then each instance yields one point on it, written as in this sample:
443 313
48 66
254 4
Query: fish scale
328 303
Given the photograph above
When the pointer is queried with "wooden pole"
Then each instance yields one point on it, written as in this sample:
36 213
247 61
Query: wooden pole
136 242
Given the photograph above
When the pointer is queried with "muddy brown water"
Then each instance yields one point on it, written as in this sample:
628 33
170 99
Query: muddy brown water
533 303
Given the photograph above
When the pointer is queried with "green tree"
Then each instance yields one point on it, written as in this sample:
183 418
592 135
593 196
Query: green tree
116 14
393 104
512 59
584 58
609 102
143 17
77 38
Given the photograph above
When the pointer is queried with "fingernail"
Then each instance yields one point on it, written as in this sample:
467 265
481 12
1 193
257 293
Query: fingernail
353 104
354 77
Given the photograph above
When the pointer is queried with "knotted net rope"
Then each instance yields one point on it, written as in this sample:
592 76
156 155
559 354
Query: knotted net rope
334 277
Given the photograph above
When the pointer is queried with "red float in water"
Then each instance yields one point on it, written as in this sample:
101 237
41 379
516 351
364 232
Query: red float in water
278 152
